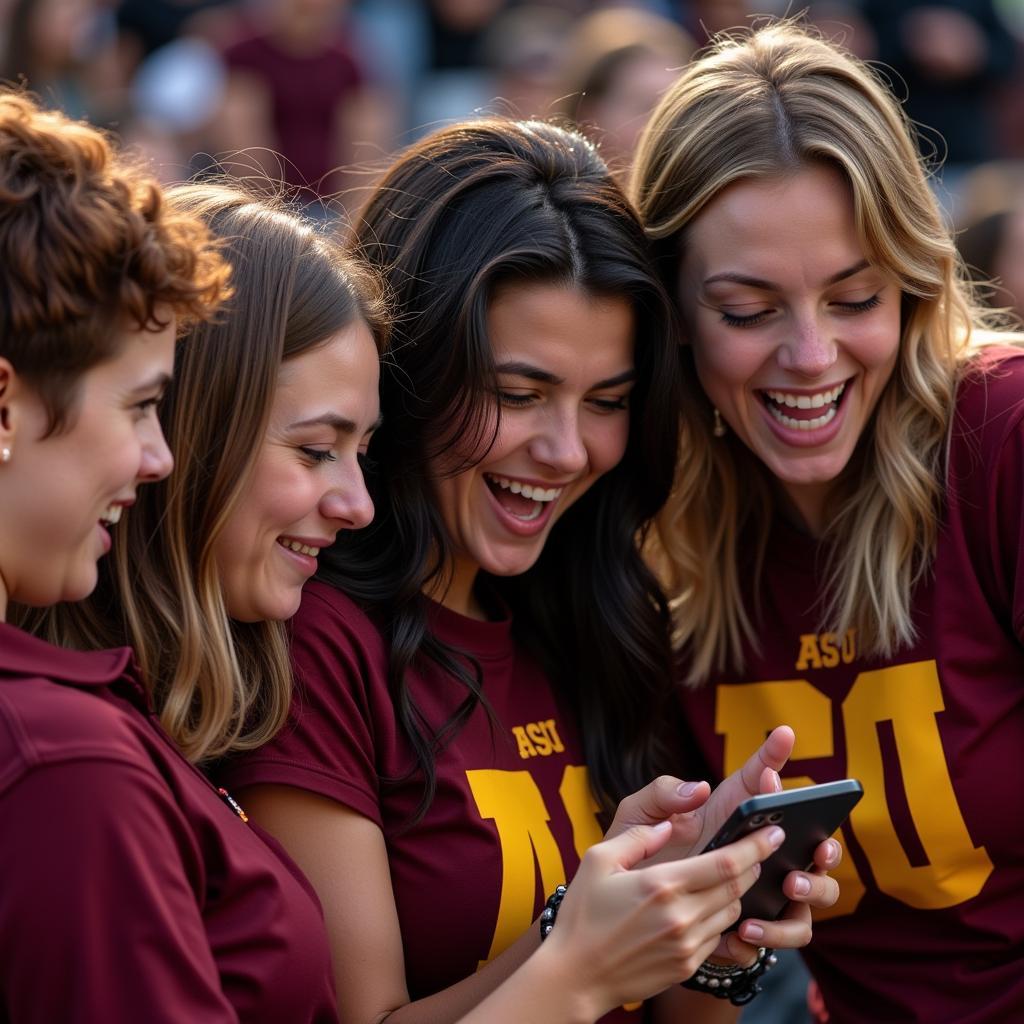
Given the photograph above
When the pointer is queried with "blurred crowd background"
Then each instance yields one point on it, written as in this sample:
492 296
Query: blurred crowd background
319 93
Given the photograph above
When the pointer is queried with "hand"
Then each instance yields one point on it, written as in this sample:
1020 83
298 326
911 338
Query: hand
625 932
805 889
695 812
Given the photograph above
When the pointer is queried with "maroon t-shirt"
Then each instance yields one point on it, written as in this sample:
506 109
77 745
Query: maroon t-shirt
930 923
513 812
305 94
129 890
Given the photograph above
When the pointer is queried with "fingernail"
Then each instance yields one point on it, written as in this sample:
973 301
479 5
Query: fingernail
752 932
687 788
757 870
776 782
775 836
802 886
662 826
833 851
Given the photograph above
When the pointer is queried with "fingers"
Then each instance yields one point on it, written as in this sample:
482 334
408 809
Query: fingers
733 860
791 931
630 847
828 854
657 801
773 753
815 890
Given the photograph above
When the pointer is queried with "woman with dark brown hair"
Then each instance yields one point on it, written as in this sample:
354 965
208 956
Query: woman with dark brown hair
485 672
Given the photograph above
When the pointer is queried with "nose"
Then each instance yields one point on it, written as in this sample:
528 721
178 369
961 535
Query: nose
559 444
809 352
348 500
156 461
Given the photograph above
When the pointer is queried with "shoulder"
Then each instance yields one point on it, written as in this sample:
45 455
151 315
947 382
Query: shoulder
990 396
326 608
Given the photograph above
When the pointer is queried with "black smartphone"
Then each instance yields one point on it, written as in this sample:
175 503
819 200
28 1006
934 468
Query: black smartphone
809 815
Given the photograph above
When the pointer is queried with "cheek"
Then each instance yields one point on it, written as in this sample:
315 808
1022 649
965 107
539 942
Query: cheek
607 444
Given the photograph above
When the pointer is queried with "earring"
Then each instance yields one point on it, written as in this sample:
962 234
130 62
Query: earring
5 454
719 429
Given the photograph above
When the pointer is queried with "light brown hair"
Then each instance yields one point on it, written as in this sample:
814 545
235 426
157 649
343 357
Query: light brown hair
221 685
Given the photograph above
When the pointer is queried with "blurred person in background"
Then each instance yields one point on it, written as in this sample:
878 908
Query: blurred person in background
993 248
298 101
618 62
65 52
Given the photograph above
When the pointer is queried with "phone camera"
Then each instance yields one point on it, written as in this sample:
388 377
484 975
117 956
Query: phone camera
757 820
774 819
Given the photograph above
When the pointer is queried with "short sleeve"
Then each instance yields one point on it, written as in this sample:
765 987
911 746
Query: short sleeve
99 912
341 711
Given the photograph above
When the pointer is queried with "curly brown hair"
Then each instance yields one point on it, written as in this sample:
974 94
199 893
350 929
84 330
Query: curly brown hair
88 248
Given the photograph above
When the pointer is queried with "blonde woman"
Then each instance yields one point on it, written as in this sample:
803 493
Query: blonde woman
844 538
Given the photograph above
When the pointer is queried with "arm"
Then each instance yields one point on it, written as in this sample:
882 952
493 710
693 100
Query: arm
99 920
622 935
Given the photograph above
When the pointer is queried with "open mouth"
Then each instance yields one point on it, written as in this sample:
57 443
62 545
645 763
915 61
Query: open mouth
525 502
112 515
804 411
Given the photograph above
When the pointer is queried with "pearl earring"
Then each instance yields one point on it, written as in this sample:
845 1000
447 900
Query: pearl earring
5 454
719 429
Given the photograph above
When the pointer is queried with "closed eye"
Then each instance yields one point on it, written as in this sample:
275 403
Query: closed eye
318 454
745 321
863 306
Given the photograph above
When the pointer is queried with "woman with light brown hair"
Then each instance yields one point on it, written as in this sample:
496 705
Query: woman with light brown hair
131 891
843 540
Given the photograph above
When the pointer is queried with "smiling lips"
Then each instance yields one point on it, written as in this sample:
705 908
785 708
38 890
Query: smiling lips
804 411
524 501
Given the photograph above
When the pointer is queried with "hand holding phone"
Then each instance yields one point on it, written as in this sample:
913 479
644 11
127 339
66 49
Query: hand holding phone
808 815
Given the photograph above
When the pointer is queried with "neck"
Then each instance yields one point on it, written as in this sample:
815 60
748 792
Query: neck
459 595
804 505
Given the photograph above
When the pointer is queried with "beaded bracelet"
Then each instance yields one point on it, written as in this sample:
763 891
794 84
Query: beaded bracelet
550 911
737 984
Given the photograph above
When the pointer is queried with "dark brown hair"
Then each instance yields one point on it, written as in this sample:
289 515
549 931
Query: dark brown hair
88 248
460 215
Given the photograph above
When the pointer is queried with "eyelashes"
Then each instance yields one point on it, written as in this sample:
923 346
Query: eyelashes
754 319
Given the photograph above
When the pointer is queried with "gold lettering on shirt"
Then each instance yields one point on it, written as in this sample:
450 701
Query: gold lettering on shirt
825 650
908 696
538 739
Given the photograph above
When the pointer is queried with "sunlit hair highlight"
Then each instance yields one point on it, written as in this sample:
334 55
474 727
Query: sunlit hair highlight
763 104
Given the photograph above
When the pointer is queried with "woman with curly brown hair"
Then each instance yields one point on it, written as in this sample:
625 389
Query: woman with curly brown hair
132 890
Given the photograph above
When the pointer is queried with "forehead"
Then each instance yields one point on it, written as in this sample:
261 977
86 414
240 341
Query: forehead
806 217
561 328
344 367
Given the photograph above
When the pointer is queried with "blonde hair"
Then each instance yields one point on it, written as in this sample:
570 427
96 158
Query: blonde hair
766 103
220 685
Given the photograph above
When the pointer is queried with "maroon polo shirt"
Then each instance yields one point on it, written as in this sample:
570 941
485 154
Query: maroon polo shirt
513 812
930 923
130 891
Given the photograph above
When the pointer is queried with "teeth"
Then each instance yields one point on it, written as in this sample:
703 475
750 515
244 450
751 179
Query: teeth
807 401
793 424
526 490
294 545
112 515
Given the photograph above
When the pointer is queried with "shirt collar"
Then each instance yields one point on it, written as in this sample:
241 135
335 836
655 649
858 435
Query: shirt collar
22 654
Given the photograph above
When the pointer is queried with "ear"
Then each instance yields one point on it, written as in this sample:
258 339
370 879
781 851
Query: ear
10 389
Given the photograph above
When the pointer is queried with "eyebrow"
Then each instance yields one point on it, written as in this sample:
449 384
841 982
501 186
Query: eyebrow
757 282
544 377
340 423
160 381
